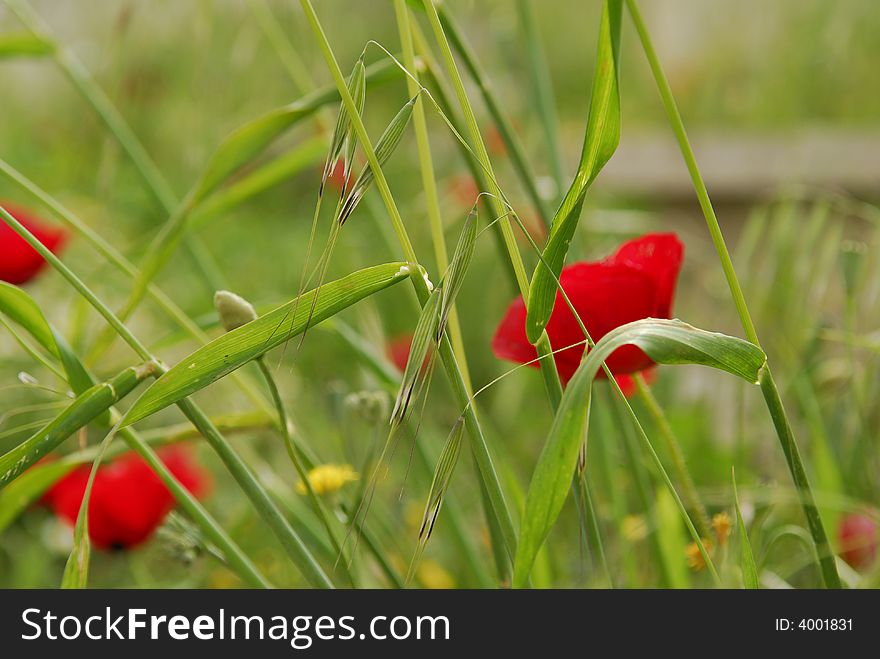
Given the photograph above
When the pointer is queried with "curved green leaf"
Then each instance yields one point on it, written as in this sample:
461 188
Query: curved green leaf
234 349
664 341
21 308
600 142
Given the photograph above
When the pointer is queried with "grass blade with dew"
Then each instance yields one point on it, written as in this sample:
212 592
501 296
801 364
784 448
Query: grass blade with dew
234 349
747 558
388 142
600 141
664 341
88 406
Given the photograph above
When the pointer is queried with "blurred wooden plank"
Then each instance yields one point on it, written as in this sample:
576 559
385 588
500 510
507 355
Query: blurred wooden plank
745 166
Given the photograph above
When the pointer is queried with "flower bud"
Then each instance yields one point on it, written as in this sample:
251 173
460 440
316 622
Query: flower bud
234 310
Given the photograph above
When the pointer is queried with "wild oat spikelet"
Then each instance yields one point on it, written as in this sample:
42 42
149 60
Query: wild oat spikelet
329 478
694 557
721 524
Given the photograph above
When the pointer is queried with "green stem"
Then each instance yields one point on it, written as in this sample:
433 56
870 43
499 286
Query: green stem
295 455
429 184
547 366
114 257
260 499
768 388
232 553
795 464
539 73
691 497
478 442
518 156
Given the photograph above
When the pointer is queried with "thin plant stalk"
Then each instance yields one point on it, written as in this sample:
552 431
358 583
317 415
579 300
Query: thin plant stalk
478 442
539 73
518 156
294 453
249 484
769 389
548 366
689 490
429 183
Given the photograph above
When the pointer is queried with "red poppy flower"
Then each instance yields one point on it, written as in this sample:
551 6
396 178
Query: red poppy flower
637 281
398 352
857 535
128 500
19 262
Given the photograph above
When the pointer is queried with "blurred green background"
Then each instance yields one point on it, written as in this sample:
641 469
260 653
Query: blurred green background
782 100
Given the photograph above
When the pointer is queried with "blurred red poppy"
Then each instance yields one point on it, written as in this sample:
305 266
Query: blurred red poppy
19 262
857 535
398 352
638 281
128 500
463 189
336 180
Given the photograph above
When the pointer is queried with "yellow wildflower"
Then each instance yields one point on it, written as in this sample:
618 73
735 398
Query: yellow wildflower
694 557
721 525
328 478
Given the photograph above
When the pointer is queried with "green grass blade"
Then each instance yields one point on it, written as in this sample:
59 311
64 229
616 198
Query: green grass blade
274 172
249 140
234 349
87 407
666 342
21 307
747 558
600 142
24 44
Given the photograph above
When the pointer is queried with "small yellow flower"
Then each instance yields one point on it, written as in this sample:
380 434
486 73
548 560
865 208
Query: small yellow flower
432 575
634 528
694 557
721 525
328 478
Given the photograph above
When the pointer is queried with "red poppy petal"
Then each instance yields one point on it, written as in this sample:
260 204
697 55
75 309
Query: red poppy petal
128 500
605 296
658 254
627 382
19 262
